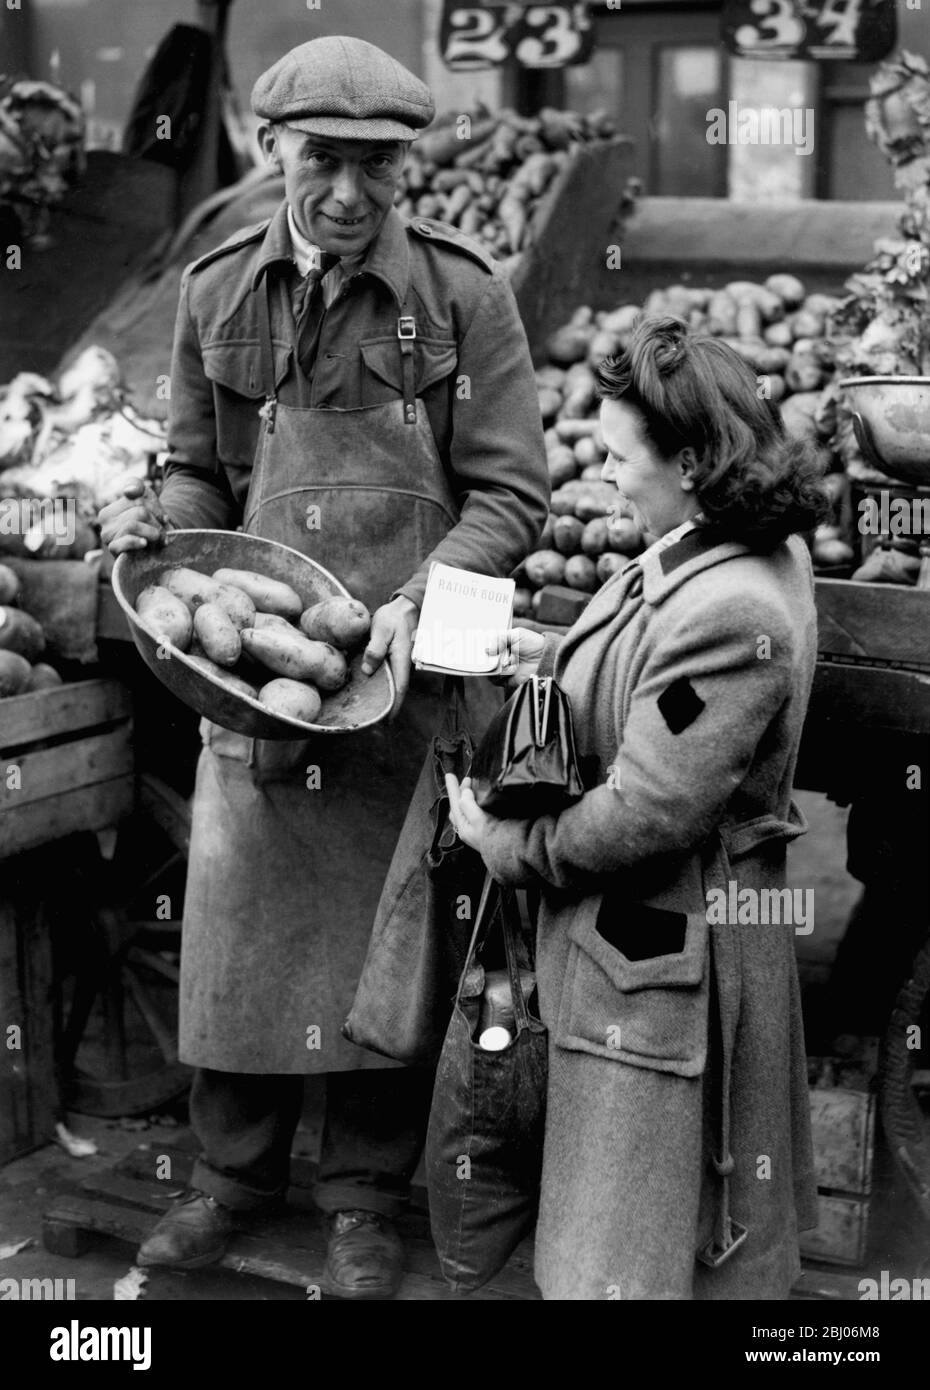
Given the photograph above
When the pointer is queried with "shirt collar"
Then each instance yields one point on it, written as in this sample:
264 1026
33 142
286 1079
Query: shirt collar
387 258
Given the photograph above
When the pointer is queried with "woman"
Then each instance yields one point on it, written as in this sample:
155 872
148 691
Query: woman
677 1158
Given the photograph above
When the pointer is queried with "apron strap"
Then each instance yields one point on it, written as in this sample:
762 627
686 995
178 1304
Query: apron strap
266 350
406 337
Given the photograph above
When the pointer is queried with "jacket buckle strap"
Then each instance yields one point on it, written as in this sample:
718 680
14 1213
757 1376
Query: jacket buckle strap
406 335
715 1253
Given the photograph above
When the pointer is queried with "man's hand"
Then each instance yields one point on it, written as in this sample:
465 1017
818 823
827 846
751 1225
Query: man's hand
134 521
392 629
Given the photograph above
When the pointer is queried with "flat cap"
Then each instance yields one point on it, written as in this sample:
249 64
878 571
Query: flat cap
345 88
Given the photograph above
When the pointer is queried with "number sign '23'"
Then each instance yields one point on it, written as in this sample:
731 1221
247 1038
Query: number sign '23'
847 30
535 36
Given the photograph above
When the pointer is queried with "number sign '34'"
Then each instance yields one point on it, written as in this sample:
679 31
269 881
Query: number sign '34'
847 30
535 36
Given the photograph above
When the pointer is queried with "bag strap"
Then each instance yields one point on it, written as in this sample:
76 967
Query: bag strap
521 1015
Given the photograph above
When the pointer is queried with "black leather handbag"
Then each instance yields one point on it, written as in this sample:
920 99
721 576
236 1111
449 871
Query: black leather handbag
526 765
485 1139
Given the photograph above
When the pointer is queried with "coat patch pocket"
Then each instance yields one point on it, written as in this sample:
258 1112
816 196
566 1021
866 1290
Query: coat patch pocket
434 358
649 1012
236 366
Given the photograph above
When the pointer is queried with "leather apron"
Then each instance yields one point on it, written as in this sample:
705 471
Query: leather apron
286 863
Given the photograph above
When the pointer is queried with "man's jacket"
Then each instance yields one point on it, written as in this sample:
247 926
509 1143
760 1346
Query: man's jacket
473 373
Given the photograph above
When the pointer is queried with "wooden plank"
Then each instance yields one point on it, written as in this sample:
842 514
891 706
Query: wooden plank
51 771
870 698
28 1092
843 1131
88 808
886 622
68 708
842 1230
289 1250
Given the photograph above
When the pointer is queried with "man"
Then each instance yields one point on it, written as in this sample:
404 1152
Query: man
360 389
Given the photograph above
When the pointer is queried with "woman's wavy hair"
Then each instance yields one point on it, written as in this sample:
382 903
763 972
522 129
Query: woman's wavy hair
754 482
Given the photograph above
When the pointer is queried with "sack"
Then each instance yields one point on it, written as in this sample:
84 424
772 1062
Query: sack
489 1107
526 765
419 942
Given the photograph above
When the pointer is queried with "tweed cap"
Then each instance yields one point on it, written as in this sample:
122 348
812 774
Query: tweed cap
345 88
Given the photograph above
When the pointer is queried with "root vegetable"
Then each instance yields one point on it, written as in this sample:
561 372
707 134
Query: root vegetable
567 534
15 672
549 402
597 499
268 595
9 585
807 324
189 585
778 335
748 320
522 602
803 373
292 699
594 537
570 431
217 634
166 615
343 622
589 453
562 465
42 677
623 535
270 620
789 289
19 632
562 502
236 603
567 345
608 564
544 567
721 315
292 654
581 573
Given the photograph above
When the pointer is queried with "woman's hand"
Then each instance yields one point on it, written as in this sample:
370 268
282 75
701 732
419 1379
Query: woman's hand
521 649
473 826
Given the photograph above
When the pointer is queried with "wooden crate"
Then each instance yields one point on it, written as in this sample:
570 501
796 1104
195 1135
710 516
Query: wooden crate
28 1094
66 763
843 1130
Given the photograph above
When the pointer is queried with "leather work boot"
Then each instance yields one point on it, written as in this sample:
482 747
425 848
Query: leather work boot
193 1233
364 1255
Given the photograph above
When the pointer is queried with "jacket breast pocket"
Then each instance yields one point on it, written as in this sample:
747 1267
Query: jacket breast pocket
234 368
645 1010
382 373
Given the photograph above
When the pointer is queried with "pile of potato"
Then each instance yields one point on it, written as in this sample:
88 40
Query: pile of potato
778 328
486 173
240 627
22 642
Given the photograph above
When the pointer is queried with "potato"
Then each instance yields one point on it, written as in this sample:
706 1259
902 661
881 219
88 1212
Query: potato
803 373
597 499
292 699
20 633
561 503
797 412
789 289
268 595
217 634
190 586
562 465
603 344
570 431
166 615
550 376
769 305
621 320
775 388
832 552
15 672
623 535
778 335
549 402
9 585
43 677
236 604
588 452
292 654
544 567
210 668
522 602
748 319
271 620
594 537
806 324
721 315
608 564
581 573
593 473
822 304
567 534
773 359
567 345
344 622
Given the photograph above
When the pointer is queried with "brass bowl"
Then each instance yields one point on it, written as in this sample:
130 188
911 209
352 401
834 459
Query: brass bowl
364 701
891 417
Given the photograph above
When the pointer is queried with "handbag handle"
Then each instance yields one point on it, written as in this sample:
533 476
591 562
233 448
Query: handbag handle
492 897
520 1012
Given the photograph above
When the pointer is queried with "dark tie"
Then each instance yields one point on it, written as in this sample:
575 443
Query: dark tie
308 311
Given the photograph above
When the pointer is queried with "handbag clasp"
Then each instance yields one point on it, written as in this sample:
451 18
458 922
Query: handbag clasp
542 698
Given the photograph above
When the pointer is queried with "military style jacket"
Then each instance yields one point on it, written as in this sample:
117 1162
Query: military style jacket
473 373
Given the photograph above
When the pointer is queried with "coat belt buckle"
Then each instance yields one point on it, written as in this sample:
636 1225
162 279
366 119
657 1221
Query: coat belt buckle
406 326
714 1255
